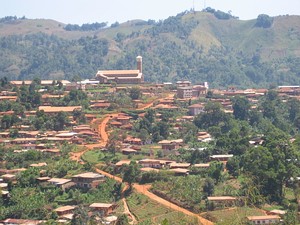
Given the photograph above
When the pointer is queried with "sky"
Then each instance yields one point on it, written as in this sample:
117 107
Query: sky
90 11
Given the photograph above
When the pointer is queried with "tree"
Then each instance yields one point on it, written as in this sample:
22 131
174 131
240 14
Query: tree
233 166
135 93
241 107
272 164
212 116
80 216
150 115
215 171
60 120
209 186
122 220
290 218
131 173
113 142
264 21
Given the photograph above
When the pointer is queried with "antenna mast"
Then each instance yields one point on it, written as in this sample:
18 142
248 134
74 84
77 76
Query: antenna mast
193 5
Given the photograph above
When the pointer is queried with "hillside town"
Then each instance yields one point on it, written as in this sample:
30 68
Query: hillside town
102 150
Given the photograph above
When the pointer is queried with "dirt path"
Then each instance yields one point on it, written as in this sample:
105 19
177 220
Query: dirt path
126 209
76 156
151 103
143 189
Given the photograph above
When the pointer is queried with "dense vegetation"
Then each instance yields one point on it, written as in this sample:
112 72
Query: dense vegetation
85 27
263 173
190 45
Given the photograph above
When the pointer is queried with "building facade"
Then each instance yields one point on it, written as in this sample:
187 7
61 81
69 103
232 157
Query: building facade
122 76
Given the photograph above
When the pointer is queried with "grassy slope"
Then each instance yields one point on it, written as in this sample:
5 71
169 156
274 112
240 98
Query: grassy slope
282 39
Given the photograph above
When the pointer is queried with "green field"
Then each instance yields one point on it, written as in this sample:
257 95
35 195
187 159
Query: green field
234 216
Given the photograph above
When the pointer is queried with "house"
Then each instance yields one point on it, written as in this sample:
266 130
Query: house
151 163
175 165
183 83
57 109
122 162
100 105
185 92
65 211
41 164
43 179
21 222
18 141
180 171
202 165
9 177
171 144
128 151
225 201
12 171
61 183
103 208
123 119
148 169
204 136
271 219
109 220
133 140
122 76
220 157
52 151
196 109
88 180
277 212
200 90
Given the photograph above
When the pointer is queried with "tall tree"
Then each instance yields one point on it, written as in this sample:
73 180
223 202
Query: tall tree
241 107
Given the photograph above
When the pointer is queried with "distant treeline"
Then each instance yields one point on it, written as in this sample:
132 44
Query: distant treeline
219 14
11 18
85 26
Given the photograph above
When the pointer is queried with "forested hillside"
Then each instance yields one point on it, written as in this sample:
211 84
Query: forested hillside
200 46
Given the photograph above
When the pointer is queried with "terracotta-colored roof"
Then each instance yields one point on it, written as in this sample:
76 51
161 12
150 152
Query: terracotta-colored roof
38 164
118 72
89 175
59 180
54 109
43 178
251 218
171 141
122 162
65 208
180 170
196 106
221 198
278 212
179 165
101 205
147 169
202 165
149 161
100 105
21 221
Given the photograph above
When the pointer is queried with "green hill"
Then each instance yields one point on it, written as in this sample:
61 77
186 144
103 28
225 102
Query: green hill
192 45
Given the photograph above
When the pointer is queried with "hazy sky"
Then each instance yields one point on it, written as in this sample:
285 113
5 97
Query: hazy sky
89 11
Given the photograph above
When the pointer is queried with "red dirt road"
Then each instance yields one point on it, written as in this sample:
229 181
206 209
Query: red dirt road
143 189
103 138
